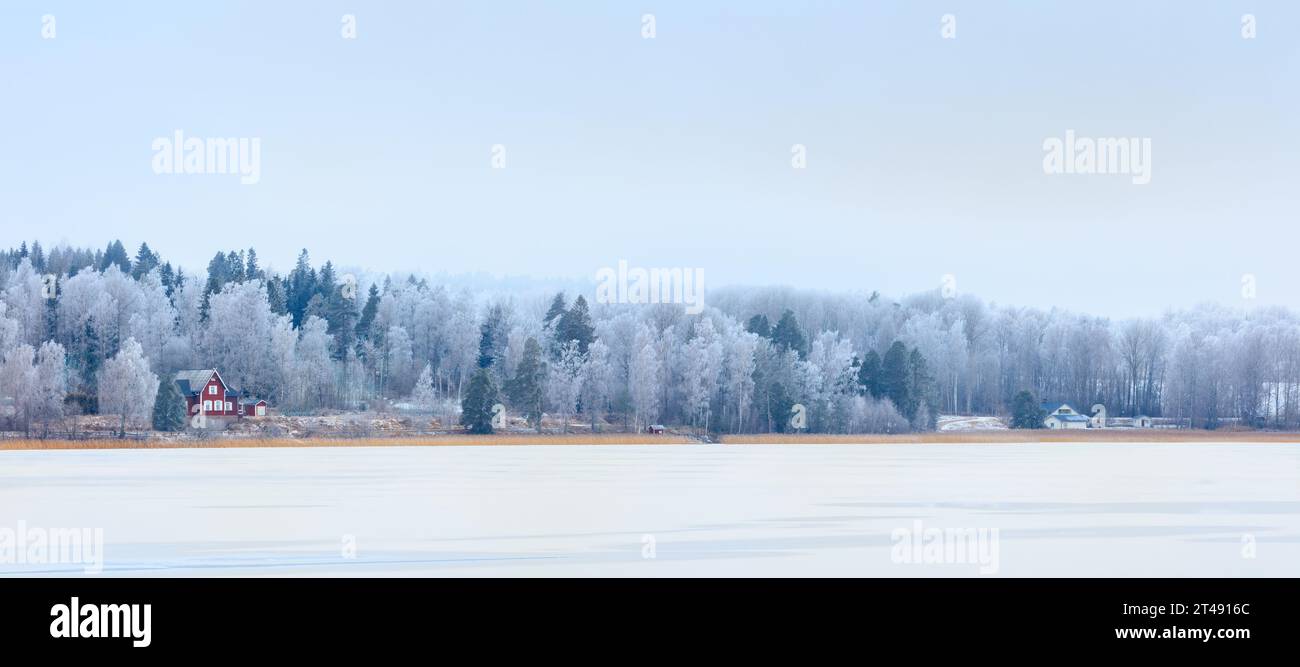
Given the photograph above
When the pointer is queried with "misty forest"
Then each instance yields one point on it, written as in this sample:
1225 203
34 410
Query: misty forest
85 331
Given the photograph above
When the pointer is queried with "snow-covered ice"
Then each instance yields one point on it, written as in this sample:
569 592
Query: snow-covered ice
964 423
707 510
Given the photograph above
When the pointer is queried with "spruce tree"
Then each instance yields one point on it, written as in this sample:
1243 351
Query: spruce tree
301 287
476 406
145 261
788 336
527 386
492 337
368 312
1026 412
575 324
779 407
168 408
759 325
895 376
275 296
115 255
556 310
869 375
925 405
251 270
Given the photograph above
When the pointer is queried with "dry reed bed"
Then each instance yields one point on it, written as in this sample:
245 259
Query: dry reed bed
1017 436
417 441
979 437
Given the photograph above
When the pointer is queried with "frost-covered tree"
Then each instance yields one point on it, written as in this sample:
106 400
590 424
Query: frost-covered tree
18 380
424 394
701 372
741 350
25 296
314 366
564 382
238 336
154 324
51 384
127 386
597 382
644 380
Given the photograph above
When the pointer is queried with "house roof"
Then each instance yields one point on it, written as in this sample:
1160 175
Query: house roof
192 382
1053 406
1069 418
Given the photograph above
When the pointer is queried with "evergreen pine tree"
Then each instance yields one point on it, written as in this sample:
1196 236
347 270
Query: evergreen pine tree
557 309
168 277
759 325
575 324
115 255
779 407
275 296
869 375
301 287
492 337
527 386
476 406
895 378
925 404
341 314
788 336
368 312
235 267
168 408
38 256
251 270
145 261
1026 412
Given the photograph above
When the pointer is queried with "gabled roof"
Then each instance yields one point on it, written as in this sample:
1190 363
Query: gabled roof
1052 406
1068 418
192 382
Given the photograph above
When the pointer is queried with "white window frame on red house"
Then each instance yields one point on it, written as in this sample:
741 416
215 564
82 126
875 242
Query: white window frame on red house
212 390
207 406
229 407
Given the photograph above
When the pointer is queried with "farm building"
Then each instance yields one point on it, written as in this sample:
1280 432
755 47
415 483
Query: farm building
1100 420
207 393
1062 416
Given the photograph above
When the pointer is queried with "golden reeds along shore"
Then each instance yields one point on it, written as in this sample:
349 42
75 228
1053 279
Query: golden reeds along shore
506 439
450 440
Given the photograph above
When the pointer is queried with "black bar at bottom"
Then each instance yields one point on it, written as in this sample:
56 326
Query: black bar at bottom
668 618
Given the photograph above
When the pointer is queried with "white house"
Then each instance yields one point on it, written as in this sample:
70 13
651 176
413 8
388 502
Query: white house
1062 416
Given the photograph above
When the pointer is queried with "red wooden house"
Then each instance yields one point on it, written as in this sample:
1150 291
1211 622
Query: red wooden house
206 392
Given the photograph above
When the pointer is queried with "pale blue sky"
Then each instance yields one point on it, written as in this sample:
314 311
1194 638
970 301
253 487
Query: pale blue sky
924 154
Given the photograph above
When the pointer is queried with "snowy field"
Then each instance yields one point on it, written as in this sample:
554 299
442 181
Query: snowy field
773 510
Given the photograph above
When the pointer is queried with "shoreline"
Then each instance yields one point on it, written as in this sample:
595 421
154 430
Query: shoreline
1008 437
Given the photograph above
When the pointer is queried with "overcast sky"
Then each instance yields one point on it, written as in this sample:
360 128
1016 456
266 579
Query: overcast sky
924 154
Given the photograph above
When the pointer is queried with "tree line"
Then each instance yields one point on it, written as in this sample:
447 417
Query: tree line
82 331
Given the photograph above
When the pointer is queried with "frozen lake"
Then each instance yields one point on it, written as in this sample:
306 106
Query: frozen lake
700 510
